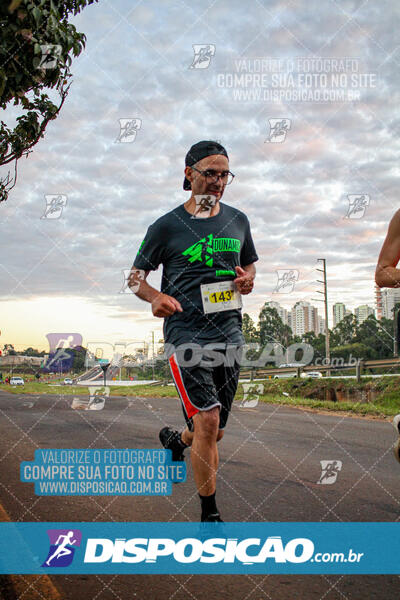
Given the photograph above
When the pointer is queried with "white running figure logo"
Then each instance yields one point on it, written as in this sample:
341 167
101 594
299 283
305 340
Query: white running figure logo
62 550
60 351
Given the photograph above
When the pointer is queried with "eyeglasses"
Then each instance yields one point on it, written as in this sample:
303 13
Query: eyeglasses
213 176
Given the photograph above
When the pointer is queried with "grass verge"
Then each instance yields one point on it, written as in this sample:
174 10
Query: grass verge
386 404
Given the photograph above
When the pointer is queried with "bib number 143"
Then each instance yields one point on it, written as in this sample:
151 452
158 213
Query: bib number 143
220 296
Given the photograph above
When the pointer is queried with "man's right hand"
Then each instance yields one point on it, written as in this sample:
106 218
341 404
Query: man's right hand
165 306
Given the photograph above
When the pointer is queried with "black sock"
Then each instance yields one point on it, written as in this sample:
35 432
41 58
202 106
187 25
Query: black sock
181 442
208 505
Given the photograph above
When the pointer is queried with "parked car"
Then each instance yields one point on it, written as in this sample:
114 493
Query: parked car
285 375
17 381
288 375
312 374
68 381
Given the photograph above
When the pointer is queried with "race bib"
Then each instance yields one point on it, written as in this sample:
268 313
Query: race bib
220 296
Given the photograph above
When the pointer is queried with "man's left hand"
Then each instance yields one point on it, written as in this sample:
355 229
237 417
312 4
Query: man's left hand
244 281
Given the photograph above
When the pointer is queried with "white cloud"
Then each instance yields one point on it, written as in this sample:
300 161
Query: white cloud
136 65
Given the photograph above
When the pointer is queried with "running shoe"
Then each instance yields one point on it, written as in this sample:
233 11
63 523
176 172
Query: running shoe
171 439
213 518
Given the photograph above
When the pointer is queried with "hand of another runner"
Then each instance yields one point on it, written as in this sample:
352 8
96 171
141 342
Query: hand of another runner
244 281
165 306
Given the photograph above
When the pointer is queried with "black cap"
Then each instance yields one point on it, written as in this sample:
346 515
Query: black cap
199 151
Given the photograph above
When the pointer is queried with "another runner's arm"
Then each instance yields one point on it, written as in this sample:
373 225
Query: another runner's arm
386 275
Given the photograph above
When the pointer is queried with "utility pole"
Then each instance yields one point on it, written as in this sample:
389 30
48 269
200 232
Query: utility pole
152 361
325 293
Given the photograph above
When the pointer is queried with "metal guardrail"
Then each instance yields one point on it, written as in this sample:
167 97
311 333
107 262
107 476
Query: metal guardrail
266 372
360 366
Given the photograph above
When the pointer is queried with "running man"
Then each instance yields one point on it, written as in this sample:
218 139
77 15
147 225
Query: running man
208 257
62 549
386 275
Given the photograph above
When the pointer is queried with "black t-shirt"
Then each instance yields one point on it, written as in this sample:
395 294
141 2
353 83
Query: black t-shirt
194 251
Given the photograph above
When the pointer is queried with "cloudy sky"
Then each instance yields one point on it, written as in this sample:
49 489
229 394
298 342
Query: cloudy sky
293 179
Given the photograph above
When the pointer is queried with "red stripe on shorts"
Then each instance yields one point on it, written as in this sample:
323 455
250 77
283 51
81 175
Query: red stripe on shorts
189 408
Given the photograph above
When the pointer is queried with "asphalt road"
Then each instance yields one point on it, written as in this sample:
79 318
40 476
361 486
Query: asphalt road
269 469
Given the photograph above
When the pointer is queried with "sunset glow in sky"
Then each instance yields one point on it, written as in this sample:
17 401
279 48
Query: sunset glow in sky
66 274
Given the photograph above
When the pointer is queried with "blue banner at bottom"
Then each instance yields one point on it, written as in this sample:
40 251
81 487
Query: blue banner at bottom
195 548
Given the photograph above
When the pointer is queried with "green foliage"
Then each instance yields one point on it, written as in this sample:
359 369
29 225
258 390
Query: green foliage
395 308
356 350
31 352
250 333
372 339
345 331
9 349
369 340
379 342
271 327
78 364
26 26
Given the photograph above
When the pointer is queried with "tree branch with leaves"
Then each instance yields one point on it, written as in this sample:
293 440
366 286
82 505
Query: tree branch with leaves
35 54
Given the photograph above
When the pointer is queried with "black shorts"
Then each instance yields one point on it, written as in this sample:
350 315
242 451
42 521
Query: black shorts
202 386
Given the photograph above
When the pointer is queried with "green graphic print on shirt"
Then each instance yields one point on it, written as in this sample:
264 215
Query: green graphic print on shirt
203 249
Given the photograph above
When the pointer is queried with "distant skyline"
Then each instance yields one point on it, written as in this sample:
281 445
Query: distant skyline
317 178
58 319
372 304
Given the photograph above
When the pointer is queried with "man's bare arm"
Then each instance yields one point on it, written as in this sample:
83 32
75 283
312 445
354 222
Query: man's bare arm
251 269
245 278
386 275
162 305
139 286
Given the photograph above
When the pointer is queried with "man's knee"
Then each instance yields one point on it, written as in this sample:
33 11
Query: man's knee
220 434
207 423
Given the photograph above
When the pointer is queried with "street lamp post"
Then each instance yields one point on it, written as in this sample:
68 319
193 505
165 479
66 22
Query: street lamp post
104 367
